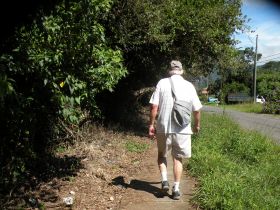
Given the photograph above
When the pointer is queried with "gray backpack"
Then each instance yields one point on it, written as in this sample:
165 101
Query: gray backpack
181 112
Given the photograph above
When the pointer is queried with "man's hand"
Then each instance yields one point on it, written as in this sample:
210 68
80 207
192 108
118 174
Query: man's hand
152 131
196 129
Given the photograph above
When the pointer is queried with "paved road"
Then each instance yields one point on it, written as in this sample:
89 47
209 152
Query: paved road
266 124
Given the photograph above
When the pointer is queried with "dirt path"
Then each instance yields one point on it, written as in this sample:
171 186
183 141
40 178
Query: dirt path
143 191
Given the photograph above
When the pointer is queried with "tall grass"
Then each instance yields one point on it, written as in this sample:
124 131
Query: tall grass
236 169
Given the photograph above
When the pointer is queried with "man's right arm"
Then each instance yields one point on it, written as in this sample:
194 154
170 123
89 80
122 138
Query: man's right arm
153 114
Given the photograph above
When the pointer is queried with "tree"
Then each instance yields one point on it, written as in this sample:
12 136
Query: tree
268 85
237 72
151 33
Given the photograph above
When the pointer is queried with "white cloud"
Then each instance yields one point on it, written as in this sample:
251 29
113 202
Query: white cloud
254 2
265 21
269 39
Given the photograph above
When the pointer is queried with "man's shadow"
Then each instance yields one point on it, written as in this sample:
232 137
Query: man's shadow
140 185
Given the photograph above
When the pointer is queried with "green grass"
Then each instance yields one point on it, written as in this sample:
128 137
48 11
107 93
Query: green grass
134 146
60 149
236 169
246 107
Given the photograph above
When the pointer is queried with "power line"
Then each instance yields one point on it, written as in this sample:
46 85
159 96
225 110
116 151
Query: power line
250 39
271 59
271 55
255 70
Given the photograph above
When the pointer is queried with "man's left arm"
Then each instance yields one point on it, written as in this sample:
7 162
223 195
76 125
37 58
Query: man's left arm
196 111
196 116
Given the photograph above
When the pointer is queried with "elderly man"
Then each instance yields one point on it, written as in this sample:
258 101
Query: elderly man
168 133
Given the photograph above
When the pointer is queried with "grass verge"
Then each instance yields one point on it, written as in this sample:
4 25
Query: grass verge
236 169
246 107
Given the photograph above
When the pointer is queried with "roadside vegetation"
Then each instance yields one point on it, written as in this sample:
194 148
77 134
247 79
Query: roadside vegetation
245 107
236 169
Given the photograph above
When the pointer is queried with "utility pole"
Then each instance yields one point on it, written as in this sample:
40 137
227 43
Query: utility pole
255 69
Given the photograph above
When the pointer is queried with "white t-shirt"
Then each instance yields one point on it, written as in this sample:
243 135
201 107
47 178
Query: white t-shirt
162 97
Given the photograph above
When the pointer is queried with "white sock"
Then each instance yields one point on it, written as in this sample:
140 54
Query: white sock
176 186
164 176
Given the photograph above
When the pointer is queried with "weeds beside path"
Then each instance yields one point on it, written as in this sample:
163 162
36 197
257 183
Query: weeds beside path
236 168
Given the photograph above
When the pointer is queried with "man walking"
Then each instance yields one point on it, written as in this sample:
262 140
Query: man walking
168 134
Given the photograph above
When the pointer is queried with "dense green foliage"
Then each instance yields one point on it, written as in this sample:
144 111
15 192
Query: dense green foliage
268 85
68 55
54 70
151 33
236 169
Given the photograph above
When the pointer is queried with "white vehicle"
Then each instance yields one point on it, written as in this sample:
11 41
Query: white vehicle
260 99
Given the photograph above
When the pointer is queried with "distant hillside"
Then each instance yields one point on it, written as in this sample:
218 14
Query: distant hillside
270 66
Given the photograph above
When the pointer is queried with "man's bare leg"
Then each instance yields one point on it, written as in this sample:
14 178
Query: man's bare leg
177 168
162 164
177 171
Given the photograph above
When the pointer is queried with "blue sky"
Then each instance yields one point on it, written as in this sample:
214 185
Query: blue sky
265 21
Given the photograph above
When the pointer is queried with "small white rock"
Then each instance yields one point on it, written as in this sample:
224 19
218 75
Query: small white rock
68 201
111 198
32 201
72 193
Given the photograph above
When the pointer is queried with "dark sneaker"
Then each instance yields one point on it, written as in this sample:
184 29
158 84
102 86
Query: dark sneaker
165 186
176 195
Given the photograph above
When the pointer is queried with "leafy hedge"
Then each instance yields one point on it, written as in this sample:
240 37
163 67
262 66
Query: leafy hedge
268 85
54 70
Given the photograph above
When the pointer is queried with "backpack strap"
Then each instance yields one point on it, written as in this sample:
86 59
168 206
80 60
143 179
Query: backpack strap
172 88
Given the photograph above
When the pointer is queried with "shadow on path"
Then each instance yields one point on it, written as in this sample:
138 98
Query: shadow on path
41 183
139 185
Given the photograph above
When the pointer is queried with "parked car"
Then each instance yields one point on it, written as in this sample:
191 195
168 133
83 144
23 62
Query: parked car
213 100
260 99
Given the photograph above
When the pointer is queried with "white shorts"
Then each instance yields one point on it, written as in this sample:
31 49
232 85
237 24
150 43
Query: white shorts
180 145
